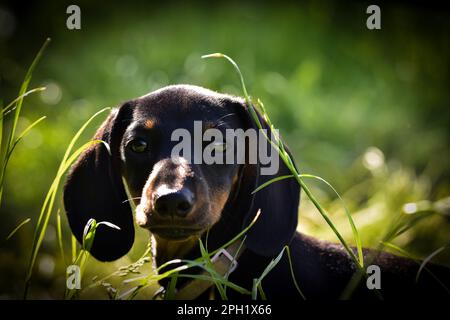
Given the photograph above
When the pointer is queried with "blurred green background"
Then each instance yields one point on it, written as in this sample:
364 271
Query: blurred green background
366 110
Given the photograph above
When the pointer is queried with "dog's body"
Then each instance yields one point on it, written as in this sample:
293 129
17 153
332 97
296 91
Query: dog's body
178 201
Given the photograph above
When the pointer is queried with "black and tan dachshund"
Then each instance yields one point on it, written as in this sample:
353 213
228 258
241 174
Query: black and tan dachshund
178 201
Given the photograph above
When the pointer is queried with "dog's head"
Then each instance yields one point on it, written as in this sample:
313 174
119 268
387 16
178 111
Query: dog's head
179 193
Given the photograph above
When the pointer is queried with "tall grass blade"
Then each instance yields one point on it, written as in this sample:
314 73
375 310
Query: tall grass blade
47 207
356 235
294 279
17 103
60 237
23 90
279 146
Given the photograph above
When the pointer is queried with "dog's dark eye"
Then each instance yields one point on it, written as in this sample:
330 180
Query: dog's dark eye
138 145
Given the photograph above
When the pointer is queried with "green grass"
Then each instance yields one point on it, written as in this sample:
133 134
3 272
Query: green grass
16 107
48 205
129 285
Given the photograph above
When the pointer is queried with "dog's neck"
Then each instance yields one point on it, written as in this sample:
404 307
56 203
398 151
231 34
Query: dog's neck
167 250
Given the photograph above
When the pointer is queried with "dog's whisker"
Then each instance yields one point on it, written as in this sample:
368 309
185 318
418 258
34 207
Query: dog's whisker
227 115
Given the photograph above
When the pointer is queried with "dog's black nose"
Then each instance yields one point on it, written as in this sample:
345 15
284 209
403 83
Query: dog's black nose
177 203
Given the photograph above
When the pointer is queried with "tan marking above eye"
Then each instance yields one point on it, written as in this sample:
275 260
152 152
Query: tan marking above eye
149 123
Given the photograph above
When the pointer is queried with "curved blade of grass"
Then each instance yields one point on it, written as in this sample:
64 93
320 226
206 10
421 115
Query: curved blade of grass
225 282
265 184
66 155
221 55
115 273
400 250
148 280
23 90
17 228
88 239
10 151
10 107
22 135
1 139
349 217
46 211
18 107
417 259
285 156
199 262
417 217
294 279
47 206
239 235
428 259
209 265
270 266
31 126
60 173
80 131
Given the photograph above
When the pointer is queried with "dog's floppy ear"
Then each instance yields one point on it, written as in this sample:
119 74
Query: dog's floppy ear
94 189
278 201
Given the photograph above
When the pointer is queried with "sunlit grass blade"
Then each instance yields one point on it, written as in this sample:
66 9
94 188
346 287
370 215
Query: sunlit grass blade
144 258
146 281
17 228
47 207
210 266
20 137
221 55
60 237
17 103
239 235
73 245
63 163
80 132
279 146
10 107
400 250
1 137
9 152
267 183
23 90
356 235
84 254
47 210
223 281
